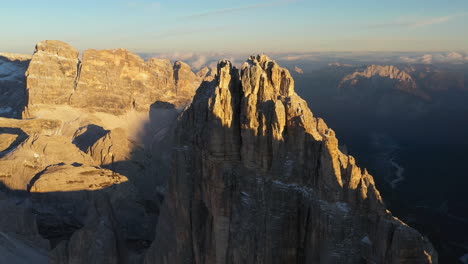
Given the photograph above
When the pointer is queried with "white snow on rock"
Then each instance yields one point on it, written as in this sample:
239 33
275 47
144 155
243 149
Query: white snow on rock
13 67
398 174
366 240
343 207
4 110
10 72
307 192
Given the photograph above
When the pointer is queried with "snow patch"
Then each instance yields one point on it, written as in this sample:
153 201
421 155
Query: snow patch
182 148
343 207
398 174
5 110
246 199
293 186
366 240
288 166
10 72
245 194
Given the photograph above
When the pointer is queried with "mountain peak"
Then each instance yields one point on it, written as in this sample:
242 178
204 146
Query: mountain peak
397 78
112 81
57 47
388 71
250 154
261 72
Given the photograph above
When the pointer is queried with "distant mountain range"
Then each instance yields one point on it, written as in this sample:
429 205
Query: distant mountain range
408 125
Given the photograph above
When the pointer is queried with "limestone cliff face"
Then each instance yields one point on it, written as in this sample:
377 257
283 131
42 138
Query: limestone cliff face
164 72
52 73
256 178
112 81
185 80
13 84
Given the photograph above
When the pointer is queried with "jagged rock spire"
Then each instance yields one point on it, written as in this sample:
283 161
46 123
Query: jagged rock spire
258 179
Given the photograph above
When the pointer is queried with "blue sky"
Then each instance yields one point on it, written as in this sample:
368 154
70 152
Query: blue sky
238 26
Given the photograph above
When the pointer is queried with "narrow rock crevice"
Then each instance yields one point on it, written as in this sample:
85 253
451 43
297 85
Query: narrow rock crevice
78 74
76 81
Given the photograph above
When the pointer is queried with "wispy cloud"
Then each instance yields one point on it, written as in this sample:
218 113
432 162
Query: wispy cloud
433 21
199 60
298 70
296 57
451 57
417 22
240 8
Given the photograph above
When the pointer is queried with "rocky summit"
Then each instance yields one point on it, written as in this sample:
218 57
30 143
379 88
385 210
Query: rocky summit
110 81
259 179
119 160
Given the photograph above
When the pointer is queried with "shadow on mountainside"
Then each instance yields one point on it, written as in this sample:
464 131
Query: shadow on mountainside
20 137
65 219
150 157
123 214
85 137
13 94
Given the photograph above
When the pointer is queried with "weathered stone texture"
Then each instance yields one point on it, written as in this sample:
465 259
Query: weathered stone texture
112 81
258 179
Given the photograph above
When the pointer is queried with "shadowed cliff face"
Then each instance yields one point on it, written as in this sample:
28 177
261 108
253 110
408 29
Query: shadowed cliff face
256 178
68 199
75 185
13 96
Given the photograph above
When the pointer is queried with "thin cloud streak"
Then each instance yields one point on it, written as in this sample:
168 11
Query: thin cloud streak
415 23
433 21
241 8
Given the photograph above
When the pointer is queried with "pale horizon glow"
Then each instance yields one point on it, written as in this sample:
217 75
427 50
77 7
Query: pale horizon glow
247 27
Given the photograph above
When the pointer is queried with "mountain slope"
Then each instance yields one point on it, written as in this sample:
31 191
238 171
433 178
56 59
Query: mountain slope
258 179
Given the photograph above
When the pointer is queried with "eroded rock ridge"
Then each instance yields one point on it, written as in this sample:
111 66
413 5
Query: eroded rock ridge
112 81
258 179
